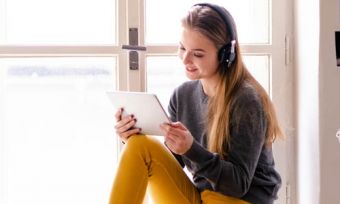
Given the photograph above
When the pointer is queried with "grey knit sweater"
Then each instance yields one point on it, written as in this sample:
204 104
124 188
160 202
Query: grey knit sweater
248 171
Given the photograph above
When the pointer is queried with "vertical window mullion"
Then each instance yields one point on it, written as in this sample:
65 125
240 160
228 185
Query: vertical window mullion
122 33
135 77
2 139
142 41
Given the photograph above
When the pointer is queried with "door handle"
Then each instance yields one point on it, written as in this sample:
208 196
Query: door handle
133 48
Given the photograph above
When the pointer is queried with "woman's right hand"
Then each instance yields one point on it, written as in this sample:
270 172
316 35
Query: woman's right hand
125 125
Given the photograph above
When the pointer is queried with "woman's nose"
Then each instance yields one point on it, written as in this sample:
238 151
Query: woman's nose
186 57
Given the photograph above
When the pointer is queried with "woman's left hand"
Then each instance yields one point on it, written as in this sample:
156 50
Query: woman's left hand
177 137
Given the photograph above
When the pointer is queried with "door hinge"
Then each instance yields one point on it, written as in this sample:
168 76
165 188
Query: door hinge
288 194
287 50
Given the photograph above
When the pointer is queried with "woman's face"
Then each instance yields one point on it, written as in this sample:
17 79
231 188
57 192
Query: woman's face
198 54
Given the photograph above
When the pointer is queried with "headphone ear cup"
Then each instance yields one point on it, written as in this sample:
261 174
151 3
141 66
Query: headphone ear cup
231 57
227 54
223 53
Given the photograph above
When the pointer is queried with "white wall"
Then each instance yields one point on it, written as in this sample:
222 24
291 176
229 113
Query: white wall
318 101
307 99
329 97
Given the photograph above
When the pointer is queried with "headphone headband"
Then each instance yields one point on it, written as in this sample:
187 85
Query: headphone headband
227 53
226 17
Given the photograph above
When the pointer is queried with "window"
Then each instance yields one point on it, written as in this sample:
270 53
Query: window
57 59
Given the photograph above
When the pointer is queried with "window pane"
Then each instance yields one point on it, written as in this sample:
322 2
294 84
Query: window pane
259 67
58 144
62 22
251 16
164 74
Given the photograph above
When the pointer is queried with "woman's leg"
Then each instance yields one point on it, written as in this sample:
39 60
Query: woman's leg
146 162
211 197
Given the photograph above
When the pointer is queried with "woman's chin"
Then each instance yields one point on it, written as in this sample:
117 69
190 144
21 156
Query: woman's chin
192 76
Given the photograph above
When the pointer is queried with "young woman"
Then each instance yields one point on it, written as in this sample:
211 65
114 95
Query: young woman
223 128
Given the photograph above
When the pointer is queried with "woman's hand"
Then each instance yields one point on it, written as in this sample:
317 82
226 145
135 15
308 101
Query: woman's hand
177 137
125 125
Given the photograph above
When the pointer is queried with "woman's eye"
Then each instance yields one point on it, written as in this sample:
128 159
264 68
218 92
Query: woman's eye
198 55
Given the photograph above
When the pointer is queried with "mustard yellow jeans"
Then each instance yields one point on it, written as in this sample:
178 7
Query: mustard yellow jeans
144 164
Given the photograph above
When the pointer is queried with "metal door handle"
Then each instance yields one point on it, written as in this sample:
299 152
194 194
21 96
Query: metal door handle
133 47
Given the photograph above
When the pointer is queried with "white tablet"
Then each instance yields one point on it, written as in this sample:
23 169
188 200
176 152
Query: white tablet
146 108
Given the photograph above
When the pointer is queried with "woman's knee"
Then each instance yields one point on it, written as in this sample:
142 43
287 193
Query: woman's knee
142 142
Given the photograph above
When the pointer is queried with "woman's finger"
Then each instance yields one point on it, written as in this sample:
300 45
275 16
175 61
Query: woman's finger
170 130
126 135
127 126
118 114
169 141
124 121
178 125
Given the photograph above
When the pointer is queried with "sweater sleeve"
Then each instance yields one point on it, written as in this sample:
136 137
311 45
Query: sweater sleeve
233 175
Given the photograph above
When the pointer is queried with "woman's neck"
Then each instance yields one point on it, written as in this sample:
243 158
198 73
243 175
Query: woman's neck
209 86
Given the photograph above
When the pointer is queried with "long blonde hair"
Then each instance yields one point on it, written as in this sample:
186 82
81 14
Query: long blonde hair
210 24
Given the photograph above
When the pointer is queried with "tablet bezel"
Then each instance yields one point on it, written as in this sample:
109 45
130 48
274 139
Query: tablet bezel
146 108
